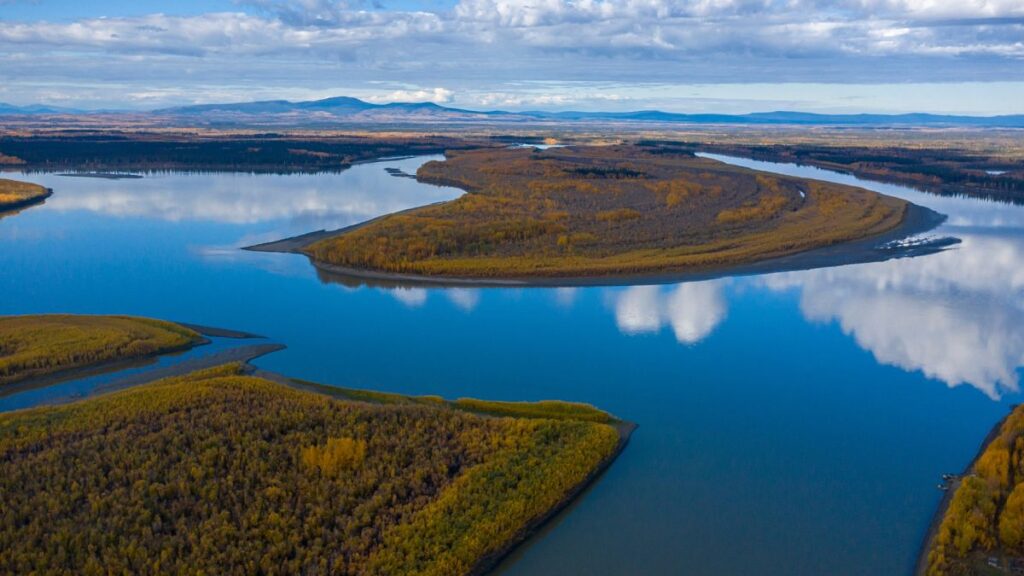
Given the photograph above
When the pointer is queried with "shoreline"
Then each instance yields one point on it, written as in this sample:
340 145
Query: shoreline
537 526
921 564
114 366
489 563
26 203
245 354
916 220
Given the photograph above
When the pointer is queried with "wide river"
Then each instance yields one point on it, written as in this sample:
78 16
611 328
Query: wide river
792 423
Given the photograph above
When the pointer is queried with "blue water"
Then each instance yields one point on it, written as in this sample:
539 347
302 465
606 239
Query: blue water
793 423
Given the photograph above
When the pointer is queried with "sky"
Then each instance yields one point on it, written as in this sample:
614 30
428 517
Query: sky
729 56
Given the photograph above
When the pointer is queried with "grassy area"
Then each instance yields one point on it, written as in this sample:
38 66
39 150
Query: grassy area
985 517
40 345
220 473
15 194
611 210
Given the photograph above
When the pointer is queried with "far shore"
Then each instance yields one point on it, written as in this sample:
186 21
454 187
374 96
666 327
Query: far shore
917 220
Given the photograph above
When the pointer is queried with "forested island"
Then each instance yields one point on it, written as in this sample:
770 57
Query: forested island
46 345
223 472
600 212
15 194
980 527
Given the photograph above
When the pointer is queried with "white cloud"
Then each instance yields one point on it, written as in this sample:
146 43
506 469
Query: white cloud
436 95
479 42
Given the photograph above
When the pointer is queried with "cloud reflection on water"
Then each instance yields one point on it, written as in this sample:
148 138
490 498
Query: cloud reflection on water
957 316
692 310
298 203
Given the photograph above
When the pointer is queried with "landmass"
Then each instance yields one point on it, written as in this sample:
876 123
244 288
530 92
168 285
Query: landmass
15 195
51 345
947 170
979 528
579 213
228 470
116 154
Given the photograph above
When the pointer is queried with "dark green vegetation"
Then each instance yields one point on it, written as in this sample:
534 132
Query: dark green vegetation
945 170
604 211
221 473
119 151
984 519
15 194
42 345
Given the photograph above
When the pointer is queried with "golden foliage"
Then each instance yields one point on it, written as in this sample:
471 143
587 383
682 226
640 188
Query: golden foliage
210 474
986 513
34 346
339 454
14 193
614 210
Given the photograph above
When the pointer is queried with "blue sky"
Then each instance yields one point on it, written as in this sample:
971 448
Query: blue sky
964 56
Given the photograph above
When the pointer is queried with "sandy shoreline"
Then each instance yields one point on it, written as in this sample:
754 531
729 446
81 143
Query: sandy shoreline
917 220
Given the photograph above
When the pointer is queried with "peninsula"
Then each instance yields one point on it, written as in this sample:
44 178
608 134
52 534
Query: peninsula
15 194
231 467
45 345
588 213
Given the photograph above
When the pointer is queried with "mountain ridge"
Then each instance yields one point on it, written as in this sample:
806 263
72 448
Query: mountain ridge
346 109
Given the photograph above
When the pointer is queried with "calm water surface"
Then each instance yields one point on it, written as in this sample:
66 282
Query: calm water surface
793 423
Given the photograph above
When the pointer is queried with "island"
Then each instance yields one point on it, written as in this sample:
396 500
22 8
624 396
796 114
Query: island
979 528
15 194
591 213
231 470
40 346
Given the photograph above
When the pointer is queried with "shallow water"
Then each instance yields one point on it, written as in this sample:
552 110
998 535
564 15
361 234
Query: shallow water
793 423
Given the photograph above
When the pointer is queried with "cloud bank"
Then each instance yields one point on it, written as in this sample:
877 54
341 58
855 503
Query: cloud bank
502 43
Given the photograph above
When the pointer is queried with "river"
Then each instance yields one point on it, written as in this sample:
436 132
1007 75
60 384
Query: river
792 423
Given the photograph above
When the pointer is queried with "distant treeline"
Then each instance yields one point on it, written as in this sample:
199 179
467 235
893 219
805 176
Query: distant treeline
949 171
252 152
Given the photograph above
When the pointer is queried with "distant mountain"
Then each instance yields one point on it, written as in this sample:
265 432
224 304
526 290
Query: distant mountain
11 109
350 111
339 109
783 117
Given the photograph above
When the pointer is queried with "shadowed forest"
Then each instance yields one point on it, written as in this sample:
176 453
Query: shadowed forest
938 170
268 152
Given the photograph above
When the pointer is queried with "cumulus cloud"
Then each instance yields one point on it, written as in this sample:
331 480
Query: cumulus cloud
499 42
436 95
